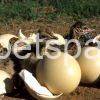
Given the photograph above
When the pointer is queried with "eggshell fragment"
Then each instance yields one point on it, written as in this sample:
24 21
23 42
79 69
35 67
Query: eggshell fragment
6 84
35 89
60 75
90 67
28 40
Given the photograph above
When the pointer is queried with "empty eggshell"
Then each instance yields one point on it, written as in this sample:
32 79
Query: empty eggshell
6 84
90 67
61 75
28 40
35 89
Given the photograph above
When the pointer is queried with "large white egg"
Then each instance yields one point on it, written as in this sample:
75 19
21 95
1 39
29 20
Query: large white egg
89 61
60 75
6 84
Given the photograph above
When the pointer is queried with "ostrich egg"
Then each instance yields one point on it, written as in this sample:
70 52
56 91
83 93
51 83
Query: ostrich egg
89 61
60 75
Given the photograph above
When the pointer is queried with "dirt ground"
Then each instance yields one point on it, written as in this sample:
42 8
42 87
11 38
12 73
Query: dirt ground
83 92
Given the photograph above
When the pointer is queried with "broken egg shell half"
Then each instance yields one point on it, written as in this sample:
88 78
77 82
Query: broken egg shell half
43 97
34 87
90 68
60 75
6 84
5 38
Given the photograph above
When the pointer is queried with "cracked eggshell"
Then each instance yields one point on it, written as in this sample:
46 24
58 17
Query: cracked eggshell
28 40
35 88
90 67
5 38
43 97
6 84
61 75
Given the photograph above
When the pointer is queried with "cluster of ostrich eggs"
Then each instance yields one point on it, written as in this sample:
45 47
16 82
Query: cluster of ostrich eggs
60 75
89 62
54 77
6 84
